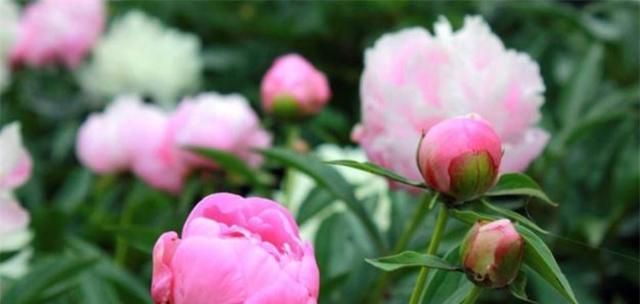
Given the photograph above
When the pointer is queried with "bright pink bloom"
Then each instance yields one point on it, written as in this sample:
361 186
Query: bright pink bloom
491 253
235 250
15 161
413 79
223 122
460 156
296 83
58 31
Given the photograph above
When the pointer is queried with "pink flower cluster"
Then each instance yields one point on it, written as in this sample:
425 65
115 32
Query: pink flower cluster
413 79
235 250
61 31
132 135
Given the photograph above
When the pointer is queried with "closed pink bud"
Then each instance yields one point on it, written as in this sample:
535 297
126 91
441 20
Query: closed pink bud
61 31
235 250
222 122
460 156
294 88
492 253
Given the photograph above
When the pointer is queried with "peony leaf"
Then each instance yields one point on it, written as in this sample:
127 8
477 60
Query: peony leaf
411 259
518 288
445 286
377 170
232 163
330 179
540 259
519 184
317 199
45 278
514 216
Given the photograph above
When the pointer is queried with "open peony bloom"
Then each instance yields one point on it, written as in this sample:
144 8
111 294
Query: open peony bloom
58 31
413 79
223 122
235 250
492 253
139 55
293 87
131 135
15 161
460 156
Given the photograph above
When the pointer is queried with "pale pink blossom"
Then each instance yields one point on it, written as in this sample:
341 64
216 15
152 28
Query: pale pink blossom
154 157
222 122
460 156
294 78
15 161
60 31
100 144
413 79
235 250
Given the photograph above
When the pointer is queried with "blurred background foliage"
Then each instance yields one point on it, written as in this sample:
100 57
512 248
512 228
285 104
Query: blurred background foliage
94 234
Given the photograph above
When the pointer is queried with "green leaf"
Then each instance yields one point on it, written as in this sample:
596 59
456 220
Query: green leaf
316 201
470 217
444 285
46 274
411 259
231 163
330 179
377 170
518 288
540 259
514 216
519 184
583 85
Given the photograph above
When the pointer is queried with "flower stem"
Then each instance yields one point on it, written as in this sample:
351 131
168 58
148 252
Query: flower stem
409 229
441 223
292 135
473 295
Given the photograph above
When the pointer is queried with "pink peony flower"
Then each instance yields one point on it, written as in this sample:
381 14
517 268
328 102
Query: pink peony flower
293 87
460 156
100 144
131 135
491 253
223 122
413 79
15 161
235 250
14 219
154 157
58 31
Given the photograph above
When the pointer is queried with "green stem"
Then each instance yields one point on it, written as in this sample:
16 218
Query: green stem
130 205
409 229
293 134
441 223
473 295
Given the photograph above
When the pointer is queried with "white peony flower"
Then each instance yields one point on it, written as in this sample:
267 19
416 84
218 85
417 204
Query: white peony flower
366 185
140 56
8 27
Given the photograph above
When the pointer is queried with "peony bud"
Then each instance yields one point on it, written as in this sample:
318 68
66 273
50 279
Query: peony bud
460 156
491 253
293 88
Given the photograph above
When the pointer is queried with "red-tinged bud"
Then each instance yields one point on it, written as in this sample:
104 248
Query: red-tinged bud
460 157
491 253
